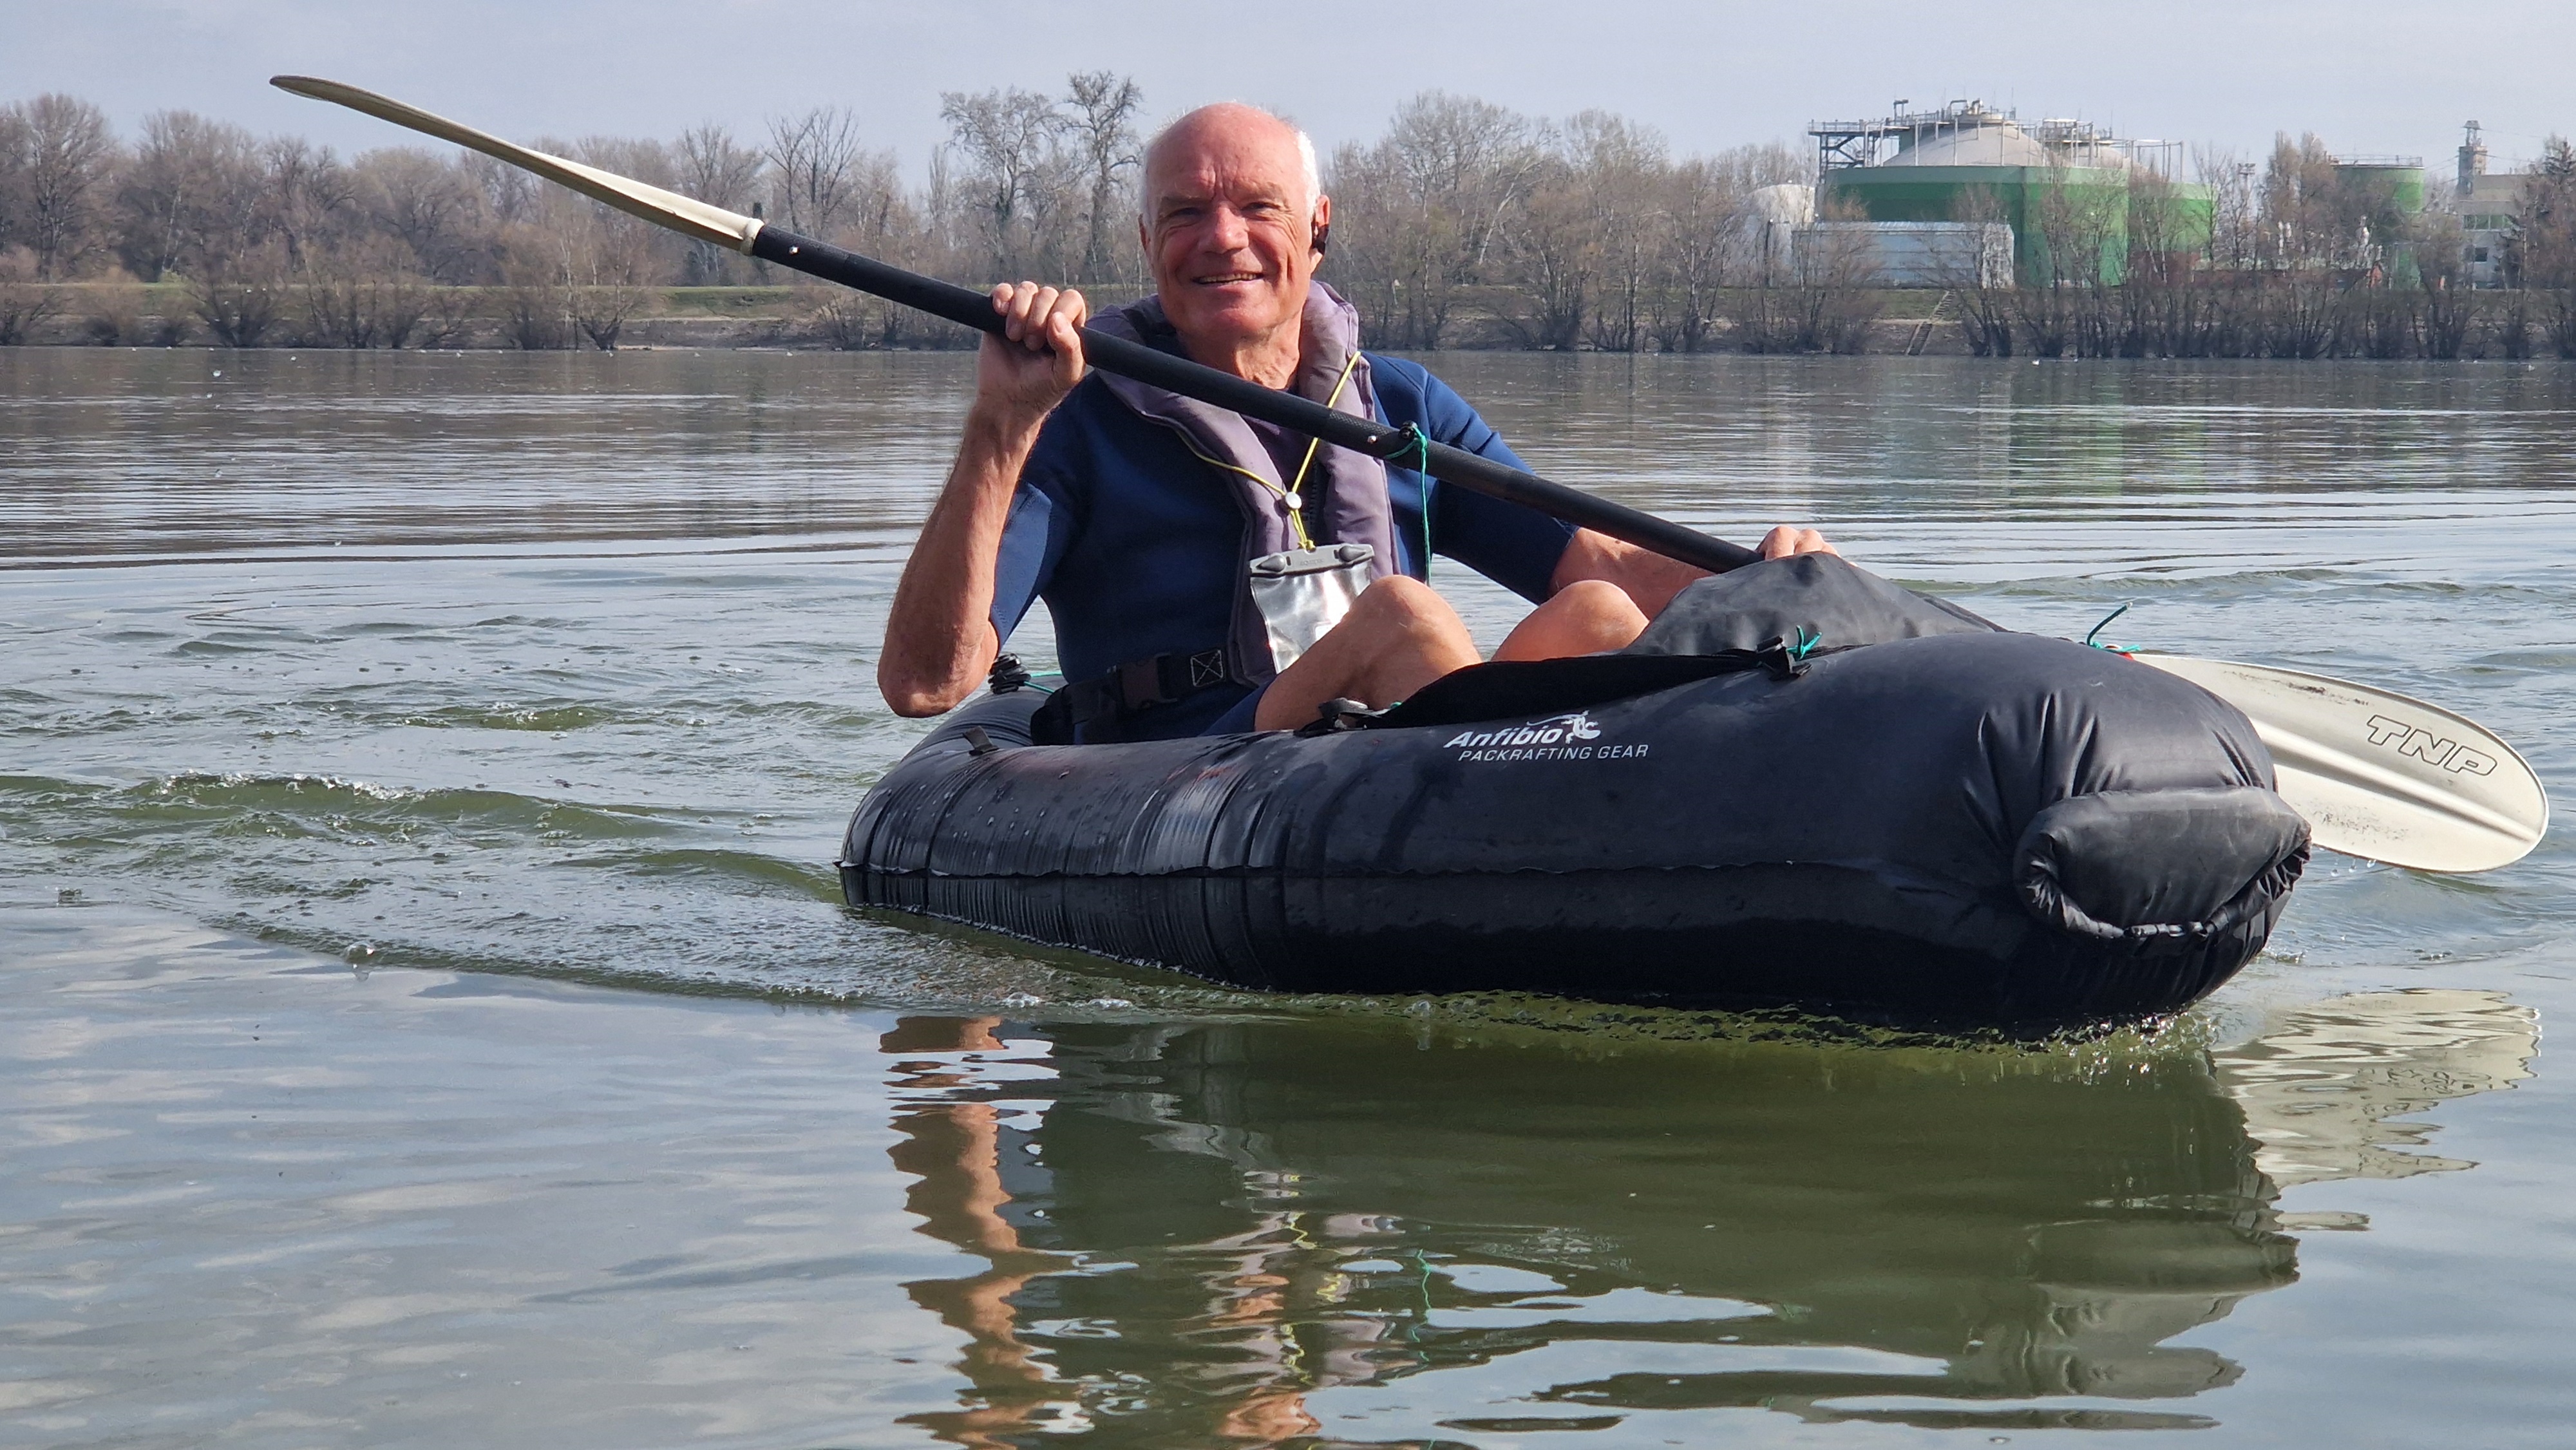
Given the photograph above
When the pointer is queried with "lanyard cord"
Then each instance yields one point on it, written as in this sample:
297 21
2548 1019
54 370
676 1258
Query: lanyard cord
1296 486
1296 520
1289 495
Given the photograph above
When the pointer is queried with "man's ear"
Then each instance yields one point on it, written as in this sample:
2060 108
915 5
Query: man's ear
1322 235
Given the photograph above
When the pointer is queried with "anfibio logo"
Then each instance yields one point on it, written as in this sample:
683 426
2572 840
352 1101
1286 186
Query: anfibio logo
1559 737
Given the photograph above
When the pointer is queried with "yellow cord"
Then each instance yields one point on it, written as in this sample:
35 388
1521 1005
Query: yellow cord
1296 517
1296 520
1298 484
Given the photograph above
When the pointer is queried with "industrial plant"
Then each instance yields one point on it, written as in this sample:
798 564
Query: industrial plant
1970 194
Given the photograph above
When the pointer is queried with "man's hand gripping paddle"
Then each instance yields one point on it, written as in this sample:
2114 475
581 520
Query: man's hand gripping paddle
2377 775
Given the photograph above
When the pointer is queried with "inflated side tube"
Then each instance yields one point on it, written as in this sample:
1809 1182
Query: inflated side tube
1952 826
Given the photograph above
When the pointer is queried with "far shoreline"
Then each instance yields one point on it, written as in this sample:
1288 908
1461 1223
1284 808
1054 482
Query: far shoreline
1910 322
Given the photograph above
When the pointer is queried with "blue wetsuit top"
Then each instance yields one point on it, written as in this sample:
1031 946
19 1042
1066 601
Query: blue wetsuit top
1136 545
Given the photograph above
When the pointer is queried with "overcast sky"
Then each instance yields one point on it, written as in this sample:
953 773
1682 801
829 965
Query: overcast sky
2368 75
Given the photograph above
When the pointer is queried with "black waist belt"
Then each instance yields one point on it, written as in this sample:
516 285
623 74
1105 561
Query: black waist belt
1096 711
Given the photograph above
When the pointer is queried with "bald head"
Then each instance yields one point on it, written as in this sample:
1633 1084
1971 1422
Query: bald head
1238 137
1233 224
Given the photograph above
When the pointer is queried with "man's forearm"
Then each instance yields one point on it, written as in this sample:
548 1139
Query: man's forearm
939 635
1648 578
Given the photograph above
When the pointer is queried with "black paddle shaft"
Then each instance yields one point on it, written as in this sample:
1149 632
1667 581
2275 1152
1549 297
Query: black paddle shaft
1287 410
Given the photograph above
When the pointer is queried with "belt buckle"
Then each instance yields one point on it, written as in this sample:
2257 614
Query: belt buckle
1140 683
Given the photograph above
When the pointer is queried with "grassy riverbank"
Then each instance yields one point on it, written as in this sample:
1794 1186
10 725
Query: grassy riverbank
398 314
2284 317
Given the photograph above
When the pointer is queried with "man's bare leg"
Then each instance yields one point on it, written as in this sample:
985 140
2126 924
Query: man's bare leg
1583 618
1398 637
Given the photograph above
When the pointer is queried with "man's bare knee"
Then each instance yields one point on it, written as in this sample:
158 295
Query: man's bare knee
1593 596
1401 608
1585 617
1398 636
1399 597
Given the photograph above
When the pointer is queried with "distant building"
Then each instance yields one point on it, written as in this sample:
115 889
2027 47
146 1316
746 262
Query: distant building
1773 216
1913 254
1784 240
1969 162
2491 211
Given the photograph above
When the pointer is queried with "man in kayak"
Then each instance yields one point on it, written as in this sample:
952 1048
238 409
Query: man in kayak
1137 514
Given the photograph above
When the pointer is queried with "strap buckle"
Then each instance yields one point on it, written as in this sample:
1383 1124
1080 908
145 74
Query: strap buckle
1095 709
1139 683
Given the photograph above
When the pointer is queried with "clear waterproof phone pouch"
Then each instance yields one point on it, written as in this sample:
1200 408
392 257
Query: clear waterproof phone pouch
1304 592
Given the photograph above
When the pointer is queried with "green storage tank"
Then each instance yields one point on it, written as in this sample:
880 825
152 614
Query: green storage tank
2397 179
1977 165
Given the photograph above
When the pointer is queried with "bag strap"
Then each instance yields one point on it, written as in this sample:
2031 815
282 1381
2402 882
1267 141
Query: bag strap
1096 711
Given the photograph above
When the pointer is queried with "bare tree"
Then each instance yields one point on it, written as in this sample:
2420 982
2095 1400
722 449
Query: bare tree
813 169
503 192
579 267
1011 140
2548 242
1623 168
2160 313
1422 208
619 250
2301 312
1550 253
2444 306
2234 212
1104 128
1701 227
26 303
2303 221
436 209
190 198
242 296
14 158
1986 300
363 295
307 198
717 170
881 218
59 154
1829 302
2075 223
536 293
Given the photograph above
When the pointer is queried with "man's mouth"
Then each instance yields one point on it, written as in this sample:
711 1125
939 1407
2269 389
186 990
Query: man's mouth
1221 279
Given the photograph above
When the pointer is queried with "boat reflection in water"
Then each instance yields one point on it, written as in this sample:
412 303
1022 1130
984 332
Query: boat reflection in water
1250 1232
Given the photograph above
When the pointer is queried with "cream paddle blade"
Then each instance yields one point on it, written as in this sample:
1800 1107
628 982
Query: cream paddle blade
683 214
2382 776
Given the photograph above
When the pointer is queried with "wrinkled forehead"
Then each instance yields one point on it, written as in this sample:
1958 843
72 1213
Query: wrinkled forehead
1236 157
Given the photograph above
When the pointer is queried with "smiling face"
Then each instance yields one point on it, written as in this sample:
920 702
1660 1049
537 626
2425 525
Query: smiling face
1229 232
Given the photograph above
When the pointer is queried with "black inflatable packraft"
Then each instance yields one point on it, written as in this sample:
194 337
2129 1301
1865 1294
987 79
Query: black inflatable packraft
1803 787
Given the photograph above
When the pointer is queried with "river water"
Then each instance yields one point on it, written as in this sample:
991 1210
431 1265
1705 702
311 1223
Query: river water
430 1018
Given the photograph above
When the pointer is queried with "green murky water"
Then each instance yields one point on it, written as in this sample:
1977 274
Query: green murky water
539 688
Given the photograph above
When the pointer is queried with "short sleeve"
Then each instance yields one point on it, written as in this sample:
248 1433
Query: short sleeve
1038 531
1512 544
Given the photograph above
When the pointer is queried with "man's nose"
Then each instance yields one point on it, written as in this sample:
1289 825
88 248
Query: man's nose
1227 229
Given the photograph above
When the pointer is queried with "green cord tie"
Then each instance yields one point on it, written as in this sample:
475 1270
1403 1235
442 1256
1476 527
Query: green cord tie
1407 447
2089 635
1806 644
1407 442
